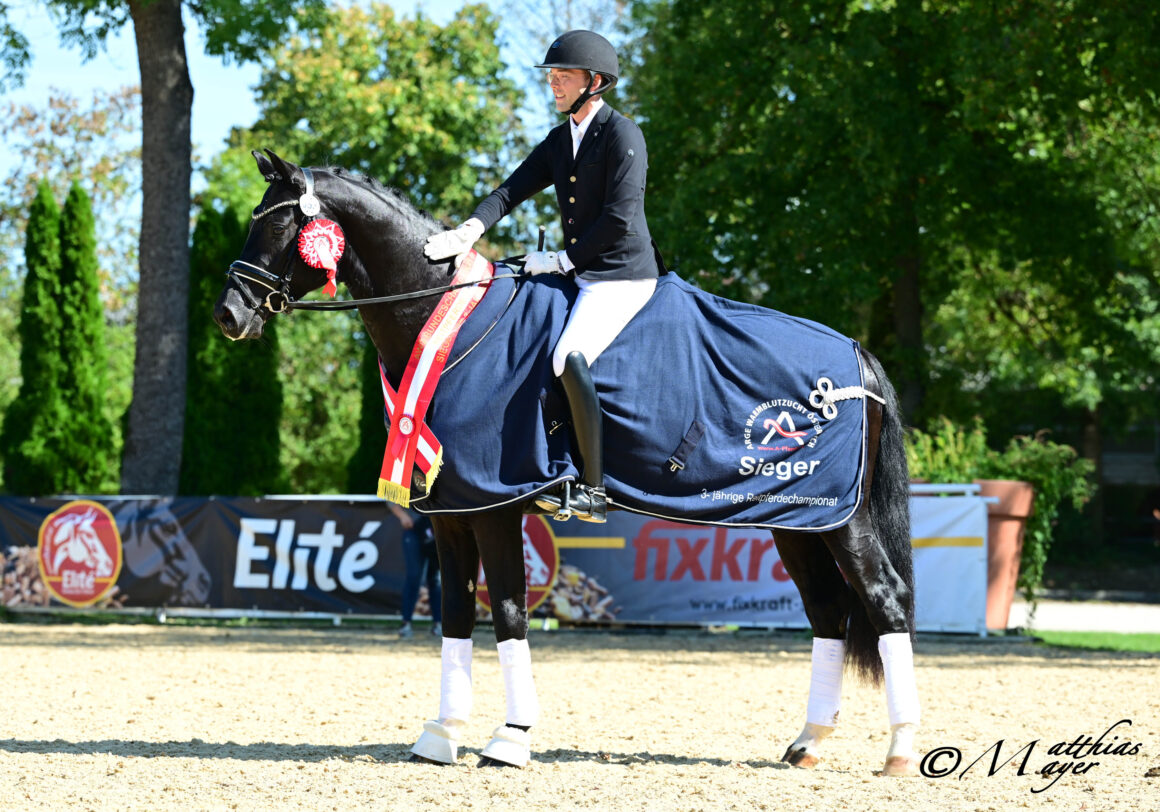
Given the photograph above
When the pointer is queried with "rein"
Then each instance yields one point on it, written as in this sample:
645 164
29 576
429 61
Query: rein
279 300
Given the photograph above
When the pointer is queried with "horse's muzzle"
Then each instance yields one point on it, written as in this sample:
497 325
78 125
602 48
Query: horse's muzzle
236 320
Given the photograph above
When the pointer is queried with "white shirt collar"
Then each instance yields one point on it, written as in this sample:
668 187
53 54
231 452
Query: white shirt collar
578 130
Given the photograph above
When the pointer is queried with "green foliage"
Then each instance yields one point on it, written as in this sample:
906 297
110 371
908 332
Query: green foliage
949 453
233 397
366 461
965 181
89 454
14 52
422 107
56 436
31 421
320 374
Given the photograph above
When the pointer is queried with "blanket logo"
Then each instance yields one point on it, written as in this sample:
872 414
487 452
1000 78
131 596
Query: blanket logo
781 424
541 564
79 553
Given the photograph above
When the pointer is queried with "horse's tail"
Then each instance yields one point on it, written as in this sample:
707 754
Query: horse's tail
890 516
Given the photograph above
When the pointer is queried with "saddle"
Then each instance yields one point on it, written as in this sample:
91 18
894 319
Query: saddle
715 411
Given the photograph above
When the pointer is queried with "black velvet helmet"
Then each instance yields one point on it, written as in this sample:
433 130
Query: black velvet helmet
584 50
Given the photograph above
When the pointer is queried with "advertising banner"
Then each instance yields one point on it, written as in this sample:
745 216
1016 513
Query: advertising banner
343 555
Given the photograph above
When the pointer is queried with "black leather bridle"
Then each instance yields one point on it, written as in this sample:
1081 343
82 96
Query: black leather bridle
279 299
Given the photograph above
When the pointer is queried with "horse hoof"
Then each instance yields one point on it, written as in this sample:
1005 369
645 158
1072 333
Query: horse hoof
900 766
509 745
437 743
416 759
484 761
800 758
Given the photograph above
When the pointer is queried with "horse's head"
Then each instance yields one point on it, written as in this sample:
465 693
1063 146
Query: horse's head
282 260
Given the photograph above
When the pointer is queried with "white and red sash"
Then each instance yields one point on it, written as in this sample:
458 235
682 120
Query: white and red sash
410 441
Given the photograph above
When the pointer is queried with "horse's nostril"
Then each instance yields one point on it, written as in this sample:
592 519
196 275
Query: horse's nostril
225 320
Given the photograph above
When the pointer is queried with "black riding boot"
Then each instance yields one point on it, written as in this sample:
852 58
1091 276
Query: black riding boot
587 501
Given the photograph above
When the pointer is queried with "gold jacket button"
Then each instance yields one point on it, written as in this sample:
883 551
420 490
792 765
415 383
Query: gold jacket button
573 178
573 241
571 200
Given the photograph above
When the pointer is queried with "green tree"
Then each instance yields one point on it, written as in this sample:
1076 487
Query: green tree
234 29
28 439
87 453
422 107
61 142
367 460
233 393
861 163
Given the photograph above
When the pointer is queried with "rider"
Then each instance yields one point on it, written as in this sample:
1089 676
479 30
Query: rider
597 162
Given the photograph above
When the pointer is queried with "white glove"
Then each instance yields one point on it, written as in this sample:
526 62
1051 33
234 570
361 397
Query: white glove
455 242
539 262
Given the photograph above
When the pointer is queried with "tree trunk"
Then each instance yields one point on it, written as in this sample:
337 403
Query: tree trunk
152 457
1093 449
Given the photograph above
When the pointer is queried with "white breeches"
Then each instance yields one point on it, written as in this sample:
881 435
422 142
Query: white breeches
601 311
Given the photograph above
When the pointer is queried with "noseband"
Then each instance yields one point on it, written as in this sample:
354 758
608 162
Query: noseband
279 300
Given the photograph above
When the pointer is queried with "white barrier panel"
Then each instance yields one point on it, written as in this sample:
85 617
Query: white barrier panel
950 563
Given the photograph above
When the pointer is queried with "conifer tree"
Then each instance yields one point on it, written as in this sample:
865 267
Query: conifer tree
86 452
28 439
233 396
362 472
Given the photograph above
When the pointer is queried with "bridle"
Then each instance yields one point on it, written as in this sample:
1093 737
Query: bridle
279 299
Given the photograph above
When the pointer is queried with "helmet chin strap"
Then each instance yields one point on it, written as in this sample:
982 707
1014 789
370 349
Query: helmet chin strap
588 93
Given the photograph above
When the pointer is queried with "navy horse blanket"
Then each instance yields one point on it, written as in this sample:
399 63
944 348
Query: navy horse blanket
715 411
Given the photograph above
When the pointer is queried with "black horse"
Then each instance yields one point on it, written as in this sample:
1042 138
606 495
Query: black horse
856 582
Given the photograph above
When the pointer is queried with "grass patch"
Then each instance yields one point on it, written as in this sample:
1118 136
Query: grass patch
1103 641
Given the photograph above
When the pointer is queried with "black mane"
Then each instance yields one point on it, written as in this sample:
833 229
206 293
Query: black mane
398 200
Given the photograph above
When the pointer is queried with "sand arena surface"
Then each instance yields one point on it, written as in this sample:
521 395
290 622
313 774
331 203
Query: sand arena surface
146 717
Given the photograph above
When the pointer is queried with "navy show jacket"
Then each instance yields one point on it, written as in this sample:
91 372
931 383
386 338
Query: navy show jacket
600 193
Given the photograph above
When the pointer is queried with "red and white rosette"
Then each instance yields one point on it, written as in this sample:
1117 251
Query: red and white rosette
321 244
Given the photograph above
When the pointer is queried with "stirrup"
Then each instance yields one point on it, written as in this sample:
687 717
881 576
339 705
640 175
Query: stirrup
584 502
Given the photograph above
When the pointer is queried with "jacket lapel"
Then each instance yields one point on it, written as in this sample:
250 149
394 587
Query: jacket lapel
602 116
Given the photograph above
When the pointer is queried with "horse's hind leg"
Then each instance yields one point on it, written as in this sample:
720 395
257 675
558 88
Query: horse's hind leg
499 536
458 568
826 599
880 631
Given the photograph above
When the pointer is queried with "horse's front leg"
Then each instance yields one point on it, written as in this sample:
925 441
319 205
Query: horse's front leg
500 539
458 568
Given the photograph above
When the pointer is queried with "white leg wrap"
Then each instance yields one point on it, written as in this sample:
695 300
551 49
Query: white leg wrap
455 686
825 682
901 687
515 659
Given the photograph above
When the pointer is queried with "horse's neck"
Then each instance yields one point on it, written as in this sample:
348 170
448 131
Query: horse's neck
389 244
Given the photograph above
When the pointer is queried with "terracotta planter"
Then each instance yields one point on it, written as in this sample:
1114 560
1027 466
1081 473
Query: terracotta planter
1006 521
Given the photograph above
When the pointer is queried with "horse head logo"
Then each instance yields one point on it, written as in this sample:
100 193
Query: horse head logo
73 538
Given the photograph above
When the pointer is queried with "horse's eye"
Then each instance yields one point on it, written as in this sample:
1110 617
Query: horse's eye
279 230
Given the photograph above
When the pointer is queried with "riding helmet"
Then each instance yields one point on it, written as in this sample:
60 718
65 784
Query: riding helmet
585 50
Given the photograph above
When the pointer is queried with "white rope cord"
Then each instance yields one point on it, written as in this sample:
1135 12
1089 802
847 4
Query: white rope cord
825 396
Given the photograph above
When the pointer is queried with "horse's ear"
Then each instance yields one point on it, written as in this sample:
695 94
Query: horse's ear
286 170
265 167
